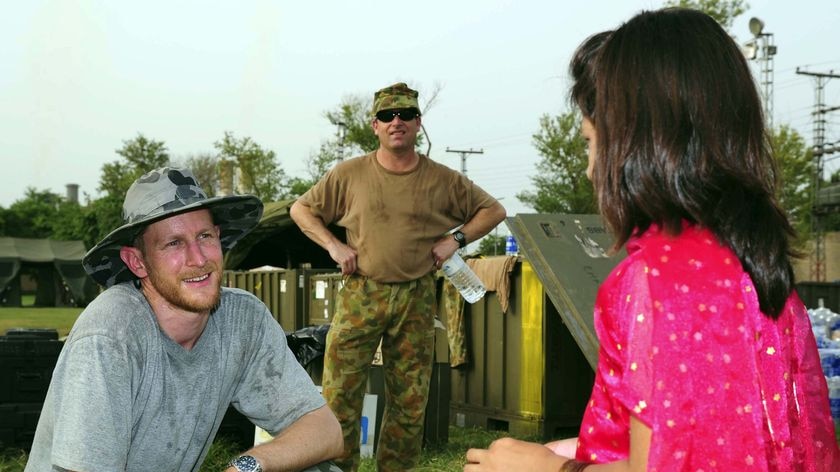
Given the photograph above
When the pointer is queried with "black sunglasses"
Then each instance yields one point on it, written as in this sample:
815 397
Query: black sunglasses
405 114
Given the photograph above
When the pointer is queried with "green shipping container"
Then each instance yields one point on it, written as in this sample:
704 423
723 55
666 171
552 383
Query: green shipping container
530 370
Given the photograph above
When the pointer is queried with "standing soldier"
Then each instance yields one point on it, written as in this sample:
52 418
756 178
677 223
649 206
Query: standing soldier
398 208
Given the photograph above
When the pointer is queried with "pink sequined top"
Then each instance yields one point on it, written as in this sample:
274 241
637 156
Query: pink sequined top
686 351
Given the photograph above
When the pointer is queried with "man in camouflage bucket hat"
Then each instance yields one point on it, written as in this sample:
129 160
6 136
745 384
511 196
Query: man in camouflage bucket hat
152 364
160 194
398 207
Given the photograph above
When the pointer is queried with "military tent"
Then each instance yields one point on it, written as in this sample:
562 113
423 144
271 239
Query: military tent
56 266
277 241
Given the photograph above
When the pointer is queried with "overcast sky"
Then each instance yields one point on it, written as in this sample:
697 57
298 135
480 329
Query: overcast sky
78 77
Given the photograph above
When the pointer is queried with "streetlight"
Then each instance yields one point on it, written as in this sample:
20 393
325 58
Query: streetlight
761 48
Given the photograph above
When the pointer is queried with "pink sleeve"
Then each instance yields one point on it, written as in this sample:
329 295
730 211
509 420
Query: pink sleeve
688 369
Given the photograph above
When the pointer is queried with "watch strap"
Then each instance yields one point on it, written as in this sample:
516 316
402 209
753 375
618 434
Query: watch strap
460 238
246 463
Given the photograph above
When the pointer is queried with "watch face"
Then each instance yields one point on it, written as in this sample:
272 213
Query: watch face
459 236
246 464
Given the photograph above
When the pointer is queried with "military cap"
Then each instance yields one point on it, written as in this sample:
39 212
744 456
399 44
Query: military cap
159 194
395 96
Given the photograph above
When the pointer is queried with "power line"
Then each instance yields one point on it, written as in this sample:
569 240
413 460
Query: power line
463 154
820 148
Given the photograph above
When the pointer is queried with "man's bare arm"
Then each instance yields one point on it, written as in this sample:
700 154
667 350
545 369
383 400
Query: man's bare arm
315 229
480 224
315 437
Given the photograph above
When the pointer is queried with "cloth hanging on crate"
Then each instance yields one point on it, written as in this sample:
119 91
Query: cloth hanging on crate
494 273
452 308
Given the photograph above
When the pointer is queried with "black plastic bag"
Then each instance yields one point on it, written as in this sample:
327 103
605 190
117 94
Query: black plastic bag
308 344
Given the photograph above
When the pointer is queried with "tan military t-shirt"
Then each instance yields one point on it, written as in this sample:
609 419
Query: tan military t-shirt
393 219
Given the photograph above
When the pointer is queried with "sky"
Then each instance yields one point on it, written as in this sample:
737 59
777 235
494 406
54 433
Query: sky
80 77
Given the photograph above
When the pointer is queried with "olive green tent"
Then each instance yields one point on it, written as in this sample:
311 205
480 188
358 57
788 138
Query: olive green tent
277 241
56 266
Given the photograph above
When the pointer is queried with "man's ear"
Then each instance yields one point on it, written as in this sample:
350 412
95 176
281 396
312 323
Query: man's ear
133 259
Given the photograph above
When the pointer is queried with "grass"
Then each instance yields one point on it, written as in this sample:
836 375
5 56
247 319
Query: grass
61 319
449 457
445 458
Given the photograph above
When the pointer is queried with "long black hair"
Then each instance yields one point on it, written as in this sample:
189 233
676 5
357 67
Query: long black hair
681 137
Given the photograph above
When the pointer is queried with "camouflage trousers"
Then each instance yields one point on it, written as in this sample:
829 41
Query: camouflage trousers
402 316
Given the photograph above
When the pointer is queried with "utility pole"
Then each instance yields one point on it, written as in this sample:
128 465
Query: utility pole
464 157
342 135
819 149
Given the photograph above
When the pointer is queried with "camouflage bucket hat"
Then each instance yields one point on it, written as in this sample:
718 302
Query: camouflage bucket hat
160 194
395 96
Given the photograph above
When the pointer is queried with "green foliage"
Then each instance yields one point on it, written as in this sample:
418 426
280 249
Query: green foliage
561 182
43 214
354 112
793 158
140 155
723 11
70 222
831 221
205 167
451 457
221 452
33 215
12 460
102 216
299 186
492 245
261 174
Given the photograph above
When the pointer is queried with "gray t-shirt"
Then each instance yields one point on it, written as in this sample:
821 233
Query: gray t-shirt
124 396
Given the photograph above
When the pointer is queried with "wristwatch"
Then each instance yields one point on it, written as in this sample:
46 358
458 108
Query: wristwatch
246 464
460 238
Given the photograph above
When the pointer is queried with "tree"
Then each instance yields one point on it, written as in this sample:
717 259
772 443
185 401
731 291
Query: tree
561 182
141 155
259 170
492 245
354 112
205 168
44 214
33 215
723 11
831 221
70 222
793 159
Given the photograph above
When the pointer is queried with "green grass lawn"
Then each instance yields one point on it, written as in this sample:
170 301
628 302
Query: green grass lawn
61 319
449 457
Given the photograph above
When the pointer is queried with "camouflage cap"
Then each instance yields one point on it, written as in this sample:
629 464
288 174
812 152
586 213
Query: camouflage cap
395 96
159 194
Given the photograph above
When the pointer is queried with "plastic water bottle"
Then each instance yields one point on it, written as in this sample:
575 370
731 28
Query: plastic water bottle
511 248
463 278
834 399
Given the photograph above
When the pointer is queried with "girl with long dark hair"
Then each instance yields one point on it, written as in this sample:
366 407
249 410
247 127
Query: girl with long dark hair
707 360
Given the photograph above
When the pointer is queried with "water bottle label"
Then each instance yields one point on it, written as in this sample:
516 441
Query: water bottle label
835 407
463 278
511 249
